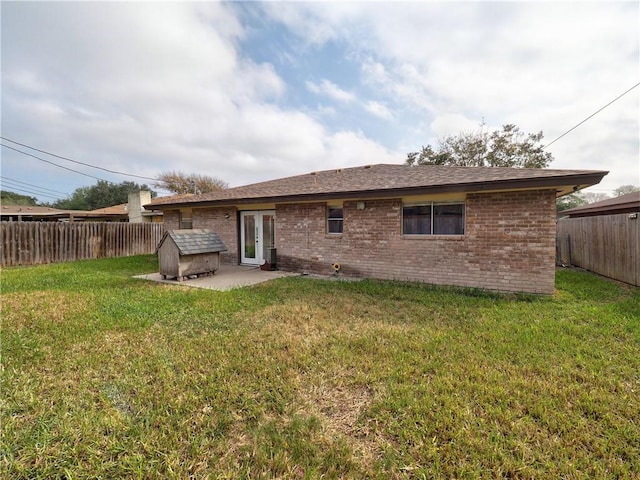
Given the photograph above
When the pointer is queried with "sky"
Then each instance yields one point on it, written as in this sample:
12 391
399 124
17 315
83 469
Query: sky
252 91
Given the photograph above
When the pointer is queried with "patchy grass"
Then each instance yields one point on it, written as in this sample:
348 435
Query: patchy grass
105 376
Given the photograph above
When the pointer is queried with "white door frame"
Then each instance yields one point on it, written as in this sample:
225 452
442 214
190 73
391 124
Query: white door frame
252 246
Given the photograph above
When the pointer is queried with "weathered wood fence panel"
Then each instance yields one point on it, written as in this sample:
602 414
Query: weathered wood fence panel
31 243
607 244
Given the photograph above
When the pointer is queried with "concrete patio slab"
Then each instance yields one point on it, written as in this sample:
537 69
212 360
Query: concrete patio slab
226 278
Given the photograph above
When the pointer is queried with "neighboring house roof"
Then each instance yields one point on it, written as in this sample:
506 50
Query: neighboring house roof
47 213
35 211
116 212
121 209
191 242
622 204
385 180
124 211
119 212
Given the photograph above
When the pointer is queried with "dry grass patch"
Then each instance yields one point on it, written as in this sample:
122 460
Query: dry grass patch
296 322
331 390
42 308
309 323
339 408
338 405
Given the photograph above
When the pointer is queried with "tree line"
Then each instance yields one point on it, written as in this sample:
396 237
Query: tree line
107 194
505 147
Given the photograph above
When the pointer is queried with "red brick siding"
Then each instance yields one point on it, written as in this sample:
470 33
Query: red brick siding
226 228
212 218
509 243
171 219
301 231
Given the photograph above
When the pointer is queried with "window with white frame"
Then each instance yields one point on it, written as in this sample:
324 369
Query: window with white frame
335 220
433 219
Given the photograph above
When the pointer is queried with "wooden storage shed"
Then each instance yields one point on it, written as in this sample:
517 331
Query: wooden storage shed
182 253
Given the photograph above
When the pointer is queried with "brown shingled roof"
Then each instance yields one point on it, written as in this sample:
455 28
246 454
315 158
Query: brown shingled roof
121 209
623 203
384 180
32 210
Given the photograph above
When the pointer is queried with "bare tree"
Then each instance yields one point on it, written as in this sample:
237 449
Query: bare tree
181 183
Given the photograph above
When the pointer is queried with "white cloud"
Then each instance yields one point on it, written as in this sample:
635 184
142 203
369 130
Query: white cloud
378 109
148 87
331 90
452 124
541 66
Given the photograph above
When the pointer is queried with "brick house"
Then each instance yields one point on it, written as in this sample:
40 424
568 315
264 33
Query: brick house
491 228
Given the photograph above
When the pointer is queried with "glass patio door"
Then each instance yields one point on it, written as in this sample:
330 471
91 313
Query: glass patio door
257 235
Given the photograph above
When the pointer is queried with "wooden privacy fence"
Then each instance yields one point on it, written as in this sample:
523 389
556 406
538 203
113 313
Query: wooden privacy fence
608 245
31 243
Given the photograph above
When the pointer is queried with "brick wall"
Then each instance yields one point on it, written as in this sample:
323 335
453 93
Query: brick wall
509 243
226 228
212 218
171 219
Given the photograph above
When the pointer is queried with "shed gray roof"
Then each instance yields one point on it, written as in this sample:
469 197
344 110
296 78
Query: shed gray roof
191 242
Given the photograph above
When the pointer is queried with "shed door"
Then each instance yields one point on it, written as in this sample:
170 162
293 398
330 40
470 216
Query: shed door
257 235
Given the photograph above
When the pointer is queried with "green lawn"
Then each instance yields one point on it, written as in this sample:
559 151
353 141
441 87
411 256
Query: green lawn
105 376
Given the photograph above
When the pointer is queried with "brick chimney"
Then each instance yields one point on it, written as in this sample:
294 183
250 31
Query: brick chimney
136 201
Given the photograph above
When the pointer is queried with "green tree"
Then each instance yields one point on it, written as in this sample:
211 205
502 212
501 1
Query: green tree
12 198
625 189
102 194
508 147
593 197
573 200
181 183
579 199
77 200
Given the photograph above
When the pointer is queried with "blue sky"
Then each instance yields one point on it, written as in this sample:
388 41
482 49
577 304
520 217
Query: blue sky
250 91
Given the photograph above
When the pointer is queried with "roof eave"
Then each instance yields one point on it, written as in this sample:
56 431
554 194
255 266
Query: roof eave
606 208
571 183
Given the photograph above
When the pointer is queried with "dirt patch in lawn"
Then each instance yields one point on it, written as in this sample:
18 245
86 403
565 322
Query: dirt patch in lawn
339 407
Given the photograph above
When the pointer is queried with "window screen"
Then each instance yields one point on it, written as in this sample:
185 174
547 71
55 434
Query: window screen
186 220
416 220
433 219
334 220
448 219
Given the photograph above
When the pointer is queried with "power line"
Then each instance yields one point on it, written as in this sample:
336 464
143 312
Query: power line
76 161
24 190
14 186
31 185
590 116
52 163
